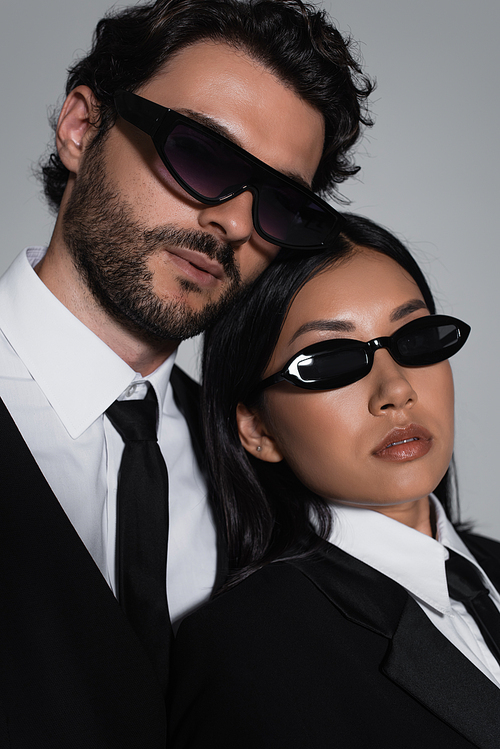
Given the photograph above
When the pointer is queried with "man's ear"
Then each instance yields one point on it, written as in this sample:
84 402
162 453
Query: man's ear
75 126
255 437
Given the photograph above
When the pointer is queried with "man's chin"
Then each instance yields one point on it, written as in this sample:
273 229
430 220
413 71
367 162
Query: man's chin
163 321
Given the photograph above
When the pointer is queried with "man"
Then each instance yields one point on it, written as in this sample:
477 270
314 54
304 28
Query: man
161 221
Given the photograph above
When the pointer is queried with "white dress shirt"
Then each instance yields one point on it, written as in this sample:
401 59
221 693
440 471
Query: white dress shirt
57 378
417 562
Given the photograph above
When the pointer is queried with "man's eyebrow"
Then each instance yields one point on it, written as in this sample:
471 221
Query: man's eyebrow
216 127
331 326
406 309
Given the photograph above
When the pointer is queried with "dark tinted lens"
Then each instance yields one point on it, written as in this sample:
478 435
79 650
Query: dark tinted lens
428 344
214 172
332 366
207 166
291 217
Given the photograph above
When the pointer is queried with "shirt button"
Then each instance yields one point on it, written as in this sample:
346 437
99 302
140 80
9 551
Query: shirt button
130 390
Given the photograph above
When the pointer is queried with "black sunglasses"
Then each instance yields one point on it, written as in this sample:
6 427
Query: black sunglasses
338 362
212 170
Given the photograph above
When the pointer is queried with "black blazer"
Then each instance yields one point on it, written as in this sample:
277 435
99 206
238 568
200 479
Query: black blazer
328 652
73 675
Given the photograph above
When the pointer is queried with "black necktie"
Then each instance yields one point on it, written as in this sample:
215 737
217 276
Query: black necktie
465 584
142 527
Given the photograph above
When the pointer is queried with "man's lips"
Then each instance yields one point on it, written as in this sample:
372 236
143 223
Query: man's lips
203 269
404 443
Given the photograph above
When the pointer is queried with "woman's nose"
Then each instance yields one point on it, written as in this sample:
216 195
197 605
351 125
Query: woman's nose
392 387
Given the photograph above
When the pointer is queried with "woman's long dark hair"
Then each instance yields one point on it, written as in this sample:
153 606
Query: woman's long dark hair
265 510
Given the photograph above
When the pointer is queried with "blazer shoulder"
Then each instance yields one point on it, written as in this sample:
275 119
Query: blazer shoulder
481 544
253 598
487 553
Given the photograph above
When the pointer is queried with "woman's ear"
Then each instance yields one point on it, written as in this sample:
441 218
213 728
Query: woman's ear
75 126
255 436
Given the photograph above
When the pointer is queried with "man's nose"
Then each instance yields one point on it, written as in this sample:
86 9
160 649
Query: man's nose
231 221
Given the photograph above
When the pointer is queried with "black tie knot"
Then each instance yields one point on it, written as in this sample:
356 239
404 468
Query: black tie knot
135 420
464 579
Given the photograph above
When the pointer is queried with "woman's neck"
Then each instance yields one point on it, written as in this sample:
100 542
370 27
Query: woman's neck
418 514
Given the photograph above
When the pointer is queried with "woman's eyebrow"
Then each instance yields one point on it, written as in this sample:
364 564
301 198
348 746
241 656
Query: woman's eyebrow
407 309
335 326
344 326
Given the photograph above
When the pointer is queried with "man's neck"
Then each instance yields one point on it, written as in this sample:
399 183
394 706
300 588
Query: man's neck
58 273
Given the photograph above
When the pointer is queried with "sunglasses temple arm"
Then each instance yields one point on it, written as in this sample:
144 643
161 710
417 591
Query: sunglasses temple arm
337 228
144 114
272 380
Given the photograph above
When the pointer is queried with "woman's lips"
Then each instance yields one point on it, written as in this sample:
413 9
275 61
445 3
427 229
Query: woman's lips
404 443
200 268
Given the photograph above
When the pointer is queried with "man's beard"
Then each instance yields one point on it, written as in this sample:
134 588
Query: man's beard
110 251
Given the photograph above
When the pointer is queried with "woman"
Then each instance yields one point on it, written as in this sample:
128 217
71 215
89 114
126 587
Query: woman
330 463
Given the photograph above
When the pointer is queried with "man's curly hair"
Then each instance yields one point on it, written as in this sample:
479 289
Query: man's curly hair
293 40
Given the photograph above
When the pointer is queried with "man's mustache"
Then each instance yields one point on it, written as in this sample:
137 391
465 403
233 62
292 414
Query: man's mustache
192 239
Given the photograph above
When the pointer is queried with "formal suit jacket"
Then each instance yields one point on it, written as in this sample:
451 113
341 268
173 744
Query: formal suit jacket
328 652
73 674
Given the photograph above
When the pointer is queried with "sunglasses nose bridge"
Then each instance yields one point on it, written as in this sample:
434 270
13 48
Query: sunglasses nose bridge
384 342
377 343
251 186
238 190
254 191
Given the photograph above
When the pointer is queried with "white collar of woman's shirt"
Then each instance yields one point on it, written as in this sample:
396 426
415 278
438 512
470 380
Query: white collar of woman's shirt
411 558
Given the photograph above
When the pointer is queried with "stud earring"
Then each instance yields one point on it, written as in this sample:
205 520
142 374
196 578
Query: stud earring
258 448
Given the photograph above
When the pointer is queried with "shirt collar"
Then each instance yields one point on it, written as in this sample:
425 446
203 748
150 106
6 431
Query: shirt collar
414 560
78 373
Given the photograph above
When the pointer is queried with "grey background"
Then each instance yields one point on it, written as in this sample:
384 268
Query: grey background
429 170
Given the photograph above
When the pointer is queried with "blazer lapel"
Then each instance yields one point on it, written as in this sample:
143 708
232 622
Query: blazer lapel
424 663
419 658
187 398
60 611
